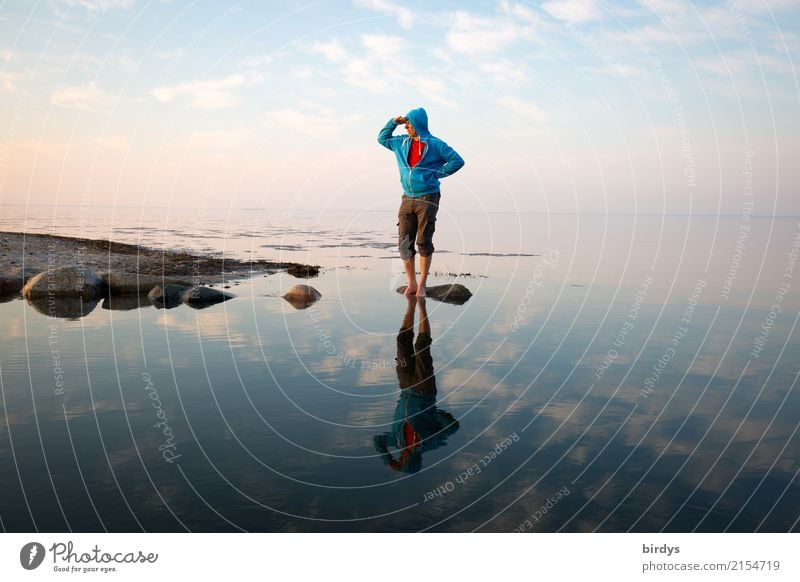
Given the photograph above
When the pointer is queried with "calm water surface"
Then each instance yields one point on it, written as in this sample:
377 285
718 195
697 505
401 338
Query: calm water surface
609 373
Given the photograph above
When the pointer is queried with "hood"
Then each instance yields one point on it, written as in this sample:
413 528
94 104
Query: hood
419 119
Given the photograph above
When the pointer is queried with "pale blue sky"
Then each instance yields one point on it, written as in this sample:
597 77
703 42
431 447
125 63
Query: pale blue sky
563 106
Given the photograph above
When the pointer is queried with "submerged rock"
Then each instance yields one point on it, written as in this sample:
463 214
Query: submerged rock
201 297
167 297
455 293
121 283
303 271
302 296
10 286
77 281
67 307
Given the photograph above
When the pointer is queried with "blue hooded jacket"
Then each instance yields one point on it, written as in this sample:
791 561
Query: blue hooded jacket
438 161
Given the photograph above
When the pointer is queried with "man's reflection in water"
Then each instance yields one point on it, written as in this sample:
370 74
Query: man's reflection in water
418 425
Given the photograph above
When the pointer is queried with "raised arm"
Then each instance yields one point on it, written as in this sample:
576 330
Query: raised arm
385 136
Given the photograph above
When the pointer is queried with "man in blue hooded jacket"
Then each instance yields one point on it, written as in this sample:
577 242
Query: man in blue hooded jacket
422 159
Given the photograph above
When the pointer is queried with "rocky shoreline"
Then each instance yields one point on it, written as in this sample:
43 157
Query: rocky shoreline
43 251
36 265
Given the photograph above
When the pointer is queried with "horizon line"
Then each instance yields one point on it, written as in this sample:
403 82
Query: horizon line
339 210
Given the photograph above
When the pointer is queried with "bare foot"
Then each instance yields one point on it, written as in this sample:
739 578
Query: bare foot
410 290
421 291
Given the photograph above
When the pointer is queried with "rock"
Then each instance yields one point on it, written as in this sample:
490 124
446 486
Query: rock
27 276
10 285
120 283
302 296
166 297
303 271
455 293
75 281
201 297
65 306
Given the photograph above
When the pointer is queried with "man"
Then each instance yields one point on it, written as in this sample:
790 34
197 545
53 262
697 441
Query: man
422 159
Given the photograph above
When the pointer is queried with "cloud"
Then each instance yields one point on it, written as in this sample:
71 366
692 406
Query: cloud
379 63
257 61
524 108
331 50
308 123
616 70
479 35
520 11
687 24
361 73
302 72
86 97
175 54
92 62
9 80
651 35
504 72
383 47
104 5
435 90
760 6
574 11
404 15
210 94
6 84
742 64
373 66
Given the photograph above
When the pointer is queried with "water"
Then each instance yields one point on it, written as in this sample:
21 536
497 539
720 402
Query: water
610 373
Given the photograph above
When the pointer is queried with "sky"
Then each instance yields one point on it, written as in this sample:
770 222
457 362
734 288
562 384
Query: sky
652 106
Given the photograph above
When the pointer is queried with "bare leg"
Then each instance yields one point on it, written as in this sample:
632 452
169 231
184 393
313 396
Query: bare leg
408 318
424 268
424 324
411 274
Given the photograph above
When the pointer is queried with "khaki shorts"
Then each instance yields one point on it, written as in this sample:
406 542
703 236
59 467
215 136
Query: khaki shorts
416 221
414 364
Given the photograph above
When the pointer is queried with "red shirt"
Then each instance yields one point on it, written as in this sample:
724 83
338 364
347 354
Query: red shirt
415 152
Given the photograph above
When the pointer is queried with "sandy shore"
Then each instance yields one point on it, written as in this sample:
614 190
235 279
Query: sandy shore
24 255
